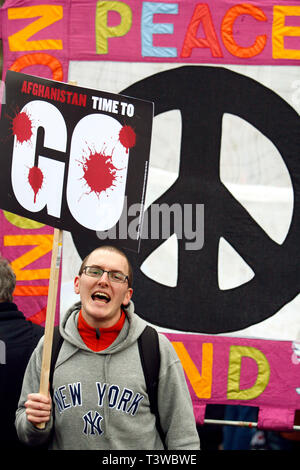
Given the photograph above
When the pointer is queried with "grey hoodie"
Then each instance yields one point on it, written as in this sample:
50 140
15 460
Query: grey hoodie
100 398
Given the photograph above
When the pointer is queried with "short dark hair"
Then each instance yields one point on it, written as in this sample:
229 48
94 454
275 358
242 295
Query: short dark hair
7 281
113 249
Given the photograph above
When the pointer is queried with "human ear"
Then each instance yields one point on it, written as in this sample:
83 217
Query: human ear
76 284
127 297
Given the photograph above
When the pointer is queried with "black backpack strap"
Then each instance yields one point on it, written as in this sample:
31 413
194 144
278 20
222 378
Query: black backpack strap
150 358
56 345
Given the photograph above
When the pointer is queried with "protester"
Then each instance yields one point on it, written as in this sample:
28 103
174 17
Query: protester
18 338
239 437
100 399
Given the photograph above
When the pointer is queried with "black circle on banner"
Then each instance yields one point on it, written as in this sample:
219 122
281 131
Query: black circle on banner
197 304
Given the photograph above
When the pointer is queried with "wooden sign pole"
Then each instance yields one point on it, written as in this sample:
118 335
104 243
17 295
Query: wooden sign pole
50 314
51 307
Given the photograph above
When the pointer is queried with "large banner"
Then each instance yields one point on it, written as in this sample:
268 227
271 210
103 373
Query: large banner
219 258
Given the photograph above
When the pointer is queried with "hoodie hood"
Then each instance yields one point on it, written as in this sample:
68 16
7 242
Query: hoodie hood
132 329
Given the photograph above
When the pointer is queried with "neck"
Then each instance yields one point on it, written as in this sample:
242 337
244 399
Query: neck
96 338
102 323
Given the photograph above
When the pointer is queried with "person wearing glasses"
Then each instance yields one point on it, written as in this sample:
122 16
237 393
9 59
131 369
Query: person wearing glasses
99 392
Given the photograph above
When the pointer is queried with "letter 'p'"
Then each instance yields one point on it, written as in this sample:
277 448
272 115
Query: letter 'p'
103 31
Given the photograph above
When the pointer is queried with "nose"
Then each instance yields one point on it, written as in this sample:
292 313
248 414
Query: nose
104 278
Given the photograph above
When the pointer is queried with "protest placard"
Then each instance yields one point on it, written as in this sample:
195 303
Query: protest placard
73 158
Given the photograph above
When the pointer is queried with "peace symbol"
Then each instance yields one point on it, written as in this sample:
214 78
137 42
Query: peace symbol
197 304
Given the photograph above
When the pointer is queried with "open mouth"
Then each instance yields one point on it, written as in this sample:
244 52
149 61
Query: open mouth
101 296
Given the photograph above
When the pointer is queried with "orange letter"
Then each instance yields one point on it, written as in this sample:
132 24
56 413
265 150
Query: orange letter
25 291
201 14
227 31
39 58
48 14
44 246
280 31
200 383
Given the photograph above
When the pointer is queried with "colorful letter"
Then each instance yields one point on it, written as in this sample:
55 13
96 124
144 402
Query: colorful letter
48 14
103 31
234 373
22 222
148 28
26 291
43 245
201 15
39 58
227 31
280 31
201 383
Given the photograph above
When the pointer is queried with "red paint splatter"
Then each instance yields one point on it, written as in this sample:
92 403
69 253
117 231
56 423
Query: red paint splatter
127 137
22 127
99 172
35 178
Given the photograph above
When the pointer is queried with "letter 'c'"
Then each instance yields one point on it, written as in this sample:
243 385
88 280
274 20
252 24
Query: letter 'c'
227 31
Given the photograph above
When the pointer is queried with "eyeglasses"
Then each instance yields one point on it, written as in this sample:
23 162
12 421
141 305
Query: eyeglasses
114 276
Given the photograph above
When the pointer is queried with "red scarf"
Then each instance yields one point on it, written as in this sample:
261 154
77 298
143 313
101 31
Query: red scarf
95 341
